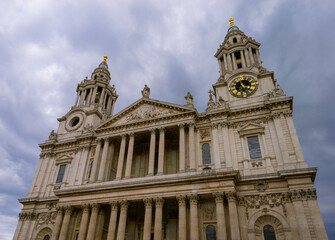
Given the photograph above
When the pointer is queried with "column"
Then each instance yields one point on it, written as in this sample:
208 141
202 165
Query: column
220 217
243 59
103 160
246 54
275 144
152 152
181 148
290 215
109 105
94 95
234 61
194 228
58 223
215 144
75 104
225 62
122 220
319 226
129 155
158 218
251 56
161 151
65 224
82 97
121 157
300 214
95 161
242 218
220 66
84 222
191 146
102 96
89 96
93 221
233 217
258 58
230 62
226 145
182 217
112 221
147 219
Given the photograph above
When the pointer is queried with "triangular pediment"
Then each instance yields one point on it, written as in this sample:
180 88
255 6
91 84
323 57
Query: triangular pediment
251 128
145 110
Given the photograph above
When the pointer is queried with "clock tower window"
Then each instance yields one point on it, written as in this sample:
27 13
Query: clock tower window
234 40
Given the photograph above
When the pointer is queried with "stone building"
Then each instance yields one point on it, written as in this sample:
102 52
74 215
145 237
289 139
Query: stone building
159 170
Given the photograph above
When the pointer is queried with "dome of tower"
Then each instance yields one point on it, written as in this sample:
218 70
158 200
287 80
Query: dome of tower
232 25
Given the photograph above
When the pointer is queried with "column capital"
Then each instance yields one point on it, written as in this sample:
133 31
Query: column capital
123 135
98 140
114 205
215 125
124 204
152 130
95 206
161 129
159 201
148 202
131 134
85 207
59 209
231 196
68 210
190 124
193 198
218 196
181 200
181 125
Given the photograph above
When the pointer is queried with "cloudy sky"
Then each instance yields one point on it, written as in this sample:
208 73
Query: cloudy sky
47 47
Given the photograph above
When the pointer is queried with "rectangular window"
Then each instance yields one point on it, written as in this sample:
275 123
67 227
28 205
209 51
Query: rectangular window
61 173
254 148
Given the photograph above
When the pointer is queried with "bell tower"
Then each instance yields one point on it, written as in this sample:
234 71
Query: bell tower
243 79
94 103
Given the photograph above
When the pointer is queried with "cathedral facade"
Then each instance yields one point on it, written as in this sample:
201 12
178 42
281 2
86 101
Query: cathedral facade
163 171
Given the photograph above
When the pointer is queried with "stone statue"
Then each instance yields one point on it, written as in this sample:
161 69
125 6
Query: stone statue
189 99
146 91
53 136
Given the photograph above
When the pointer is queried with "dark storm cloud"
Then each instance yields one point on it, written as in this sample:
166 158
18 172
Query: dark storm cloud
48 47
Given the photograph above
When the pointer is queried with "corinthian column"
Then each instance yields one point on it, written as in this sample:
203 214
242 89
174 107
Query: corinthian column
121 157
194 221
234 226
65 225
182 217
161 151
93 221
103 160
221 223
130 155
84 221
112 221
158 218
152 152
95 161
191 146
181 148
58 223
147 219
122 220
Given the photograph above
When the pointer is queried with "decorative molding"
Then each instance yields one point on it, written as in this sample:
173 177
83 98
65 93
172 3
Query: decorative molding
231 196
181 200
148 202
193 198
218 196
204 133
159 201
46 218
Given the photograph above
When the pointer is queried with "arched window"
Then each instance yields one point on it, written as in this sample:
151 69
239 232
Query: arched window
234 40
90 169
206 154
210 232
269 233
46 237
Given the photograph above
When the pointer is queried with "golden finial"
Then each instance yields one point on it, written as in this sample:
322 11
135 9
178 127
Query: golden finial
231 20
210 95
105 59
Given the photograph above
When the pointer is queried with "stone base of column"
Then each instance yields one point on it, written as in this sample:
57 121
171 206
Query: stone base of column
192 170
181 171
149 175
160 173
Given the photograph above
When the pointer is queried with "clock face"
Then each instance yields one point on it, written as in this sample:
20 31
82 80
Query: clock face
243 86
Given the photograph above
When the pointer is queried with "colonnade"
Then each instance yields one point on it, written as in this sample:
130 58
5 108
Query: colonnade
228 61
118 218
103 144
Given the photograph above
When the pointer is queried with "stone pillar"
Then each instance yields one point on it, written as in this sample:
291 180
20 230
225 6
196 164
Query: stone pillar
102 96
220 66
95 161
258 58
251 56
75 104
230 62
299 211
215 148
130 155
152 152
65 224
181 148
82 97
194 221
220 216
246 54
122 220
242 218
243 59
191 147
281 138
233 216
112 221
161 151
158 218
58 223
121 157
225 62
84 222
226 145
147 219
182 217
103 160
234 61
93 221
94 95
